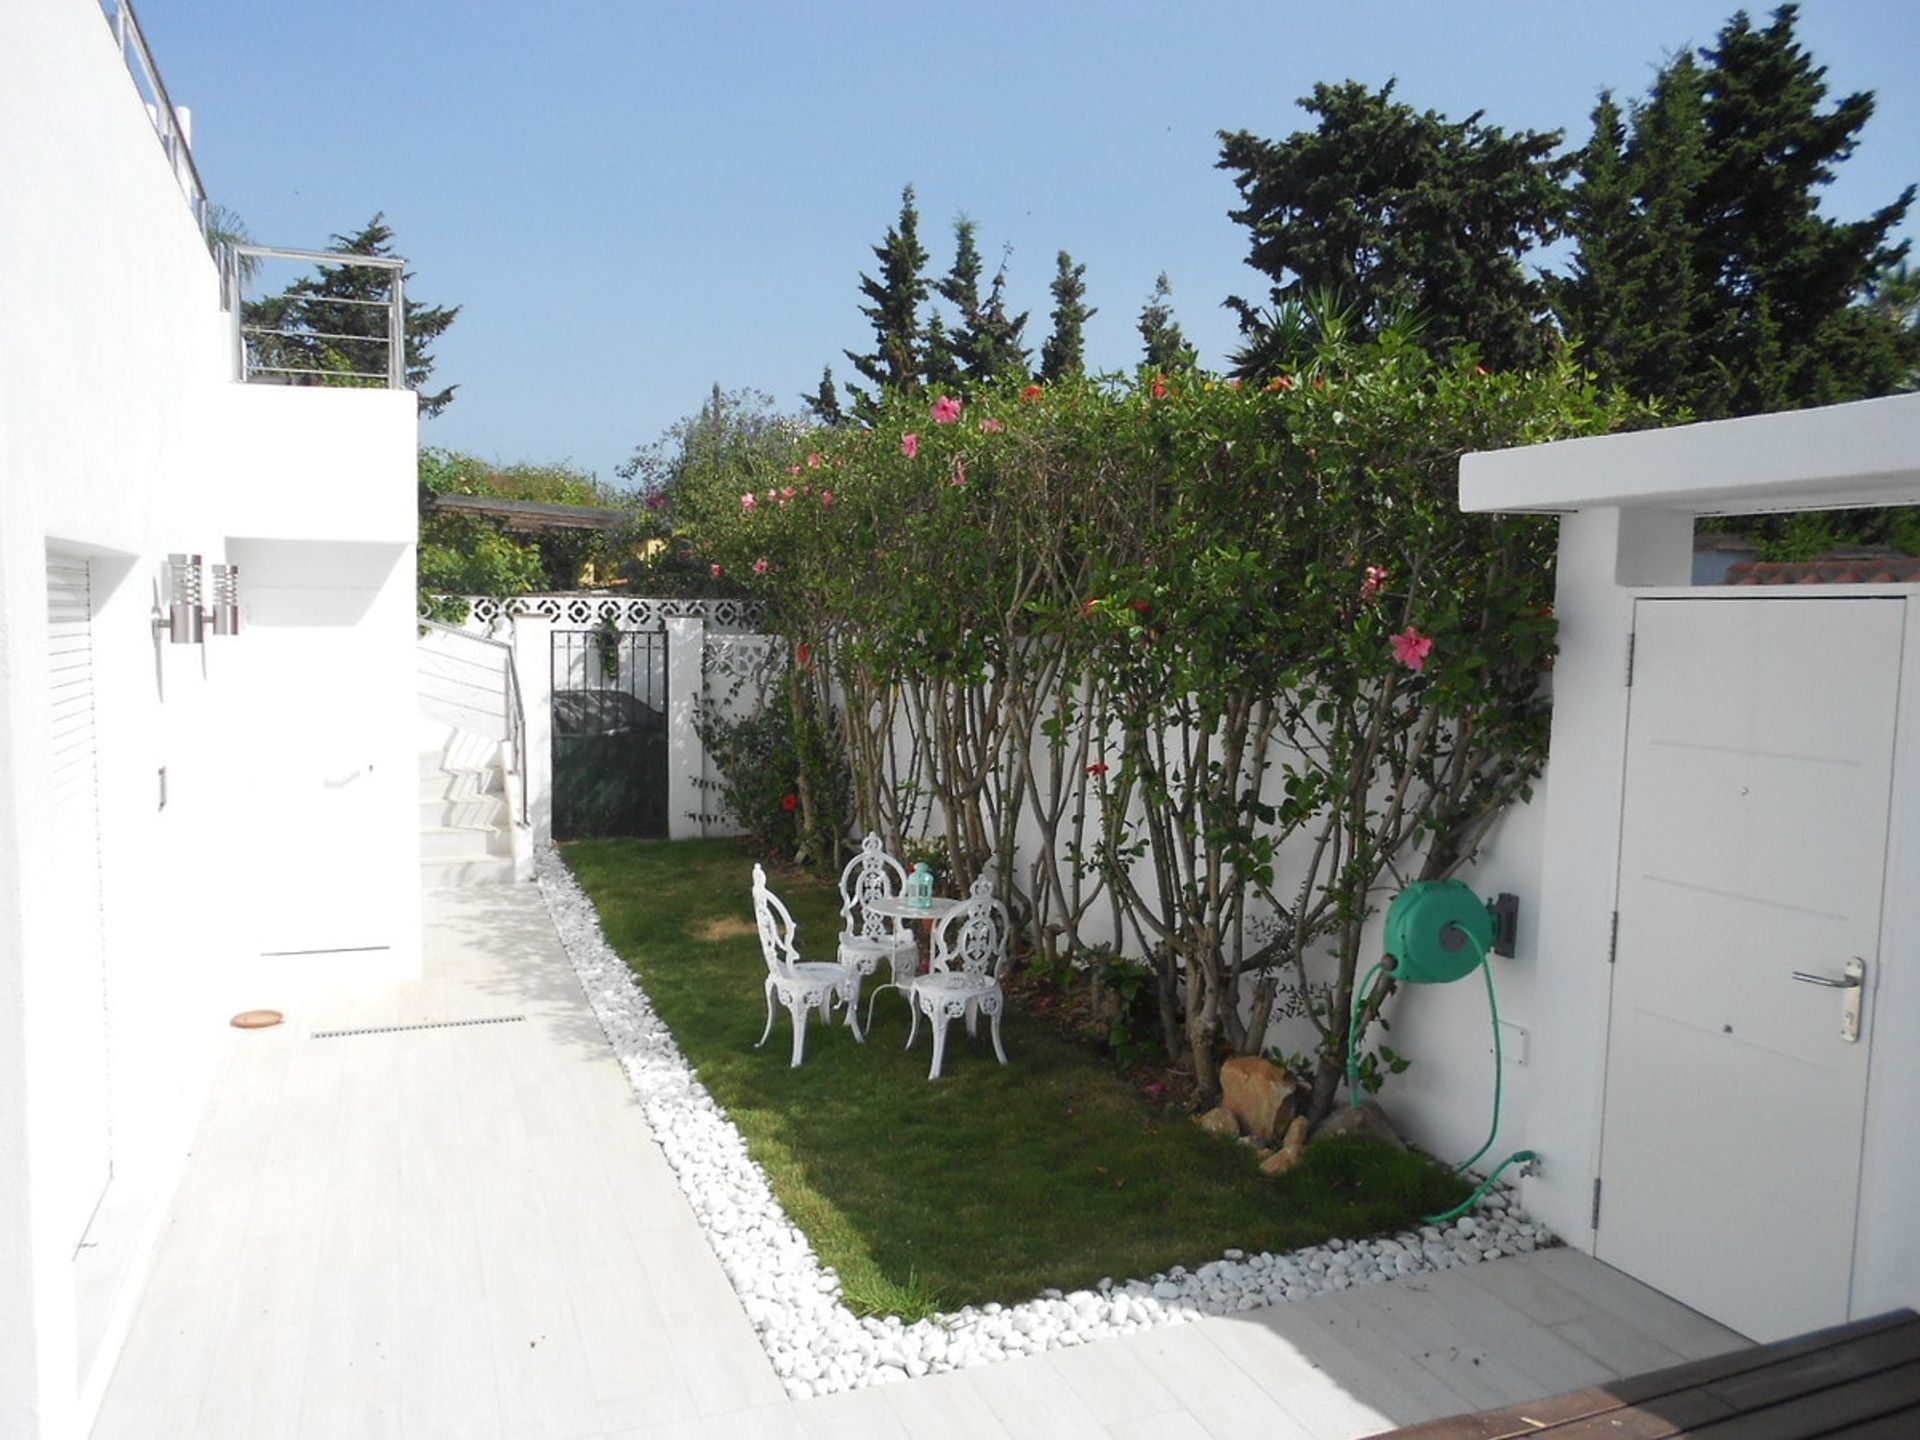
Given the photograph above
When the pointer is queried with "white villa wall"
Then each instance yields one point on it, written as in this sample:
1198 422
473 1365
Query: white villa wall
1627 506
123 438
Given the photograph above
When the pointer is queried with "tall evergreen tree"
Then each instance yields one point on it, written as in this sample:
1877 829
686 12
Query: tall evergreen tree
824 403
940 367
1065 352
986 345
893 309
1001 342
1388 211
1166 345
1707 278
334 323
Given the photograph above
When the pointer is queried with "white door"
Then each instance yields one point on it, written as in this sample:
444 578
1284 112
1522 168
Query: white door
1753 847
313 854
73 840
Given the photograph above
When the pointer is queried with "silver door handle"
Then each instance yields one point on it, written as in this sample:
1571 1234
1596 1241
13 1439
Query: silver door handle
1853 981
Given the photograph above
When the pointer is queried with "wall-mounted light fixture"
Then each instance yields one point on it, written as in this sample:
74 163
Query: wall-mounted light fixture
182 617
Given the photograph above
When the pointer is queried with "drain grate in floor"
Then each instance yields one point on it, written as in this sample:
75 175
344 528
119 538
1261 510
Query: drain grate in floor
420 1025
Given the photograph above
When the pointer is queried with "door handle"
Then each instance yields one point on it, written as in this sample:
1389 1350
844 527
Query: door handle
1854 982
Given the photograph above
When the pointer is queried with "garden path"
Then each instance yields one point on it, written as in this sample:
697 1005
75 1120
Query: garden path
470 1232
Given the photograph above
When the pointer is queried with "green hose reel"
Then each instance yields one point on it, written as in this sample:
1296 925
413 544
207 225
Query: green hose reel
1438 930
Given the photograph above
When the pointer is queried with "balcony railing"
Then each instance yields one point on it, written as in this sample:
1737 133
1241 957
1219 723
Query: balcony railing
310 333
153 90
311 336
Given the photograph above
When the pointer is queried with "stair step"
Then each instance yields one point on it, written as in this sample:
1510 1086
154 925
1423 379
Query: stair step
462 843
459 784
465 812
493 870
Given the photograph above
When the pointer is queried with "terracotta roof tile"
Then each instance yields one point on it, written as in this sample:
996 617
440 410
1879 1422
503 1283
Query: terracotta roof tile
1828 570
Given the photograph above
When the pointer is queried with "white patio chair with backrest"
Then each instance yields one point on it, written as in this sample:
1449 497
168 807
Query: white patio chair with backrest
868 938
800 985
970 950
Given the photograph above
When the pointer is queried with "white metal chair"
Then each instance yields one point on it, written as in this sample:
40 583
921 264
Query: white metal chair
868 938
970 950
800 985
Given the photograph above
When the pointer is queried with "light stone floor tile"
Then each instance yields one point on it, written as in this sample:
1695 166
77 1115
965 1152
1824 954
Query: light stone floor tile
851 1415
1030 1397
1175 1426
471 1232
1665 1321
1361 1365
1303 1387
945 1407
1210 1387
1110 1384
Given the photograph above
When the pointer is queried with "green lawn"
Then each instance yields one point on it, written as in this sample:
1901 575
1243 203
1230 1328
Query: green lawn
992 1183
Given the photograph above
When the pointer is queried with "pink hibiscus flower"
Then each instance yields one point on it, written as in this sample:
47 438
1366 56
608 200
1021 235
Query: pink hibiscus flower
946 410
910 445
1411 648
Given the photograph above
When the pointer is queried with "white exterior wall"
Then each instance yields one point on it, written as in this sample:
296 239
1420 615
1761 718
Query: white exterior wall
123 438
1627 505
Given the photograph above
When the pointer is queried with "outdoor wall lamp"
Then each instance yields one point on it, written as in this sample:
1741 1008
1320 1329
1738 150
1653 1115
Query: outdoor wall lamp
183 618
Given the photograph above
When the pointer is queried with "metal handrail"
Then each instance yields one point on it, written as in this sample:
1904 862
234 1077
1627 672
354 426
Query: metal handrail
514 710
138 59
235 262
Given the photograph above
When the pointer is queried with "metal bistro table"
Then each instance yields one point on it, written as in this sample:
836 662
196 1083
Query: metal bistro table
898 908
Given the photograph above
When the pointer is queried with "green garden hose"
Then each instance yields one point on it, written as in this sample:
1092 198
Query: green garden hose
1493 1009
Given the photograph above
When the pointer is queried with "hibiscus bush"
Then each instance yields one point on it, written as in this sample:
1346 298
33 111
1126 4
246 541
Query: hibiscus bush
1231 654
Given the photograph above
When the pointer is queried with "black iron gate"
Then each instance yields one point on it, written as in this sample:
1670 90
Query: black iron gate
609 733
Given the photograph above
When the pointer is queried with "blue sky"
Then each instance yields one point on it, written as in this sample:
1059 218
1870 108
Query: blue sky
632 201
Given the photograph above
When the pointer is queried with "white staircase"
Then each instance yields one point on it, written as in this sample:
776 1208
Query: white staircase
473 829
466 833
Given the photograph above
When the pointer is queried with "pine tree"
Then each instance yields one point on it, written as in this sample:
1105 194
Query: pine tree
824 403
335 323
1167 349
940 362
986 346
1002 337
1064 353
1386 211
1706 277
960 288
893 308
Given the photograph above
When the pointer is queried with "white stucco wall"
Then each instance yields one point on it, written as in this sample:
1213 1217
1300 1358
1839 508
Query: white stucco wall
1627 505
123 438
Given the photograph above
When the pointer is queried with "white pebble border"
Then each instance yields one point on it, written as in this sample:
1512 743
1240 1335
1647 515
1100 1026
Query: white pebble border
817 1345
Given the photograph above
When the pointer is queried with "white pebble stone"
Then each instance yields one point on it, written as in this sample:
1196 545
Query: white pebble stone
794 1303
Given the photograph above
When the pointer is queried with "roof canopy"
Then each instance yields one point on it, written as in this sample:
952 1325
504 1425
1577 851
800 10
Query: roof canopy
1835 457
535 514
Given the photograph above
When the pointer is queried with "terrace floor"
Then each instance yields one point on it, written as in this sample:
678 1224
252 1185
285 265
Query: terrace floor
469 1232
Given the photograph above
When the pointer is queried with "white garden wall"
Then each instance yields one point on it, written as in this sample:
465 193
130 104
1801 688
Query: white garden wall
123 438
